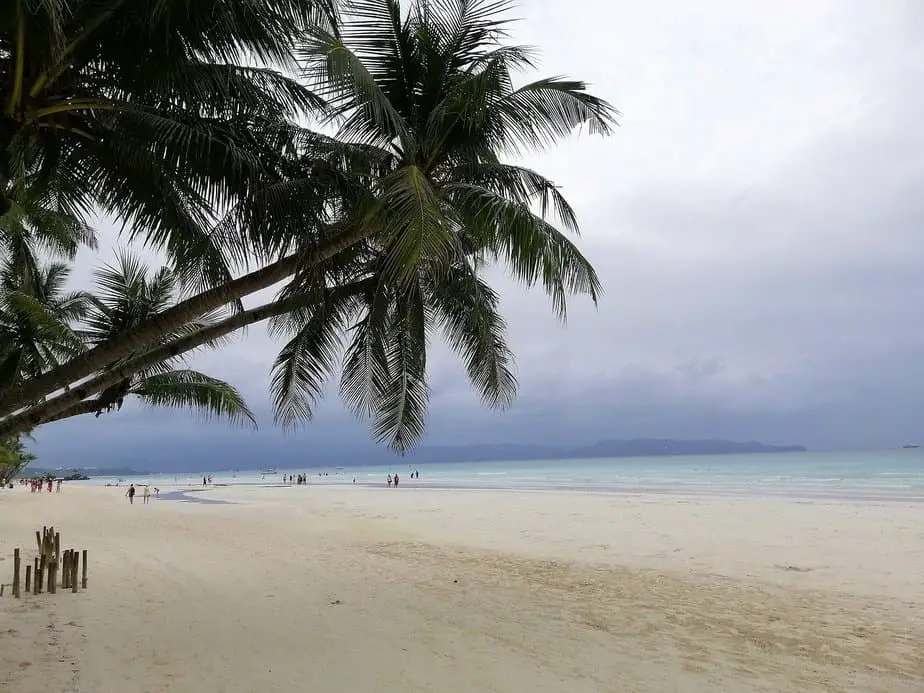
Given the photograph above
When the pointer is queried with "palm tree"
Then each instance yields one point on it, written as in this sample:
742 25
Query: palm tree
153 112
426 102
13 458
432 91
150 110
37 314
127 293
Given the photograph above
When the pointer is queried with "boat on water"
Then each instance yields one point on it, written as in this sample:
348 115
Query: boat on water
910 447
269 470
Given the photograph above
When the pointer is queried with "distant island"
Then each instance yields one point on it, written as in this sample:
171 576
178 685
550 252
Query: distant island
81 473
635 447
214 457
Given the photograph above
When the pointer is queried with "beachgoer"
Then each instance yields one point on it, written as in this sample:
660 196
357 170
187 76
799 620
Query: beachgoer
389 481
146 494
131 494
396 481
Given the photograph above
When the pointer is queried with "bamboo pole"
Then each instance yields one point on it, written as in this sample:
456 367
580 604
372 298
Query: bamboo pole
38 540
66 569
40 581
75 558
28 579
83 582
37 581
16 563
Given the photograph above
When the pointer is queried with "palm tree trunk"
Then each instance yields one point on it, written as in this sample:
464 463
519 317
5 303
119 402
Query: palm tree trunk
152 329
90 406
50 409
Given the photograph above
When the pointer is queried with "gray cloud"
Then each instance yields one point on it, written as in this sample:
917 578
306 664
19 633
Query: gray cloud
756 221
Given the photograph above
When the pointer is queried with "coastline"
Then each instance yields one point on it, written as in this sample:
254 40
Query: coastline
423 589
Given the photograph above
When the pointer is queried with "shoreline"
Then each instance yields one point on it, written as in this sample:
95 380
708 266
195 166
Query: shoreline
377 589
700 492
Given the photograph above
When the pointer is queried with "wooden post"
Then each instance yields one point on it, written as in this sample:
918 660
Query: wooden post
83 582
58 548
75 557
40 580
38 540
37 581
65 569
16 562
28 579
52 576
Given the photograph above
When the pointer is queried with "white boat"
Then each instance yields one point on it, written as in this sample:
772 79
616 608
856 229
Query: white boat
269 470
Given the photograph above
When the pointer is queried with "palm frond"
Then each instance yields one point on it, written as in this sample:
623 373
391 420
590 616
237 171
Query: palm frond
188 389
532 249
400 410
467 309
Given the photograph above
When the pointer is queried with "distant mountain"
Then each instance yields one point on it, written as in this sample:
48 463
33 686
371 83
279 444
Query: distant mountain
644 447
638 447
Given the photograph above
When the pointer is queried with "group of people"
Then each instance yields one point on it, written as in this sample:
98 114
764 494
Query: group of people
297 479
394 480
38 485
145 493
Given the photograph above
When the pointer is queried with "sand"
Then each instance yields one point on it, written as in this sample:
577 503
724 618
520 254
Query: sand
357 589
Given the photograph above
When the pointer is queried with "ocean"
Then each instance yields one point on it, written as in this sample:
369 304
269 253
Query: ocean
893 475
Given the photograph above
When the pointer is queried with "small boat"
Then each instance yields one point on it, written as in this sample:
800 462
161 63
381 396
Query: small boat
269 470
910 447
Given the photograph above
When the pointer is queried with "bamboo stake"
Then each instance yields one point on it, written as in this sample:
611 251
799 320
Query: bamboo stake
84 581
53 577
40 581
37 582
66 569
28 579
75 557
16 562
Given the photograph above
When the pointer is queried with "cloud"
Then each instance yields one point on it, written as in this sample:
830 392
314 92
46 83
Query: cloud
756 221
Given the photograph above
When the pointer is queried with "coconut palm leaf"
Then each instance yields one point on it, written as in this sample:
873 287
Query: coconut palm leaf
151 110
37 317
188 389
466 308
129 292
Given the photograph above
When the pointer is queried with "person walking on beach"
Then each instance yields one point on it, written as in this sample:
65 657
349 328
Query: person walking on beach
396 480
131 494
146 494
389 481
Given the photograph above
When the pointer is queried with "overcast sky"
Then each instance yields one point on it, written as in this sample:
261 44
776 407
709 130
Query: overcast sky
756 222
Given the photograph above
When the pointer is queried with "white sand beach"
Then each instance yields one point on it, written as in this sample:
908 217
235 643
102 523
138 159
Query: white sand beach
357 589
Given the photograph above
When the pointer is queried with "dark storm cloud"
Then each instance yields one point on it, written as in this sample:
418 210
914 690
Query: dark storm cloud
756 222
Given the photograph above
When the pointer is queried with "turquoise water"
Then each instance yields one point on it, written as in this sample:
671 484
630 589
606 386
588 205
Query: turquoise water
896 475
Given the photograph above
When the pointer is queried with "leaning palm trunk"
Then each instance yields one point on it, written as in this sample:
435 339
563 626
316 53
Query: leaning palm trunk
56 408
90 406
151 330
